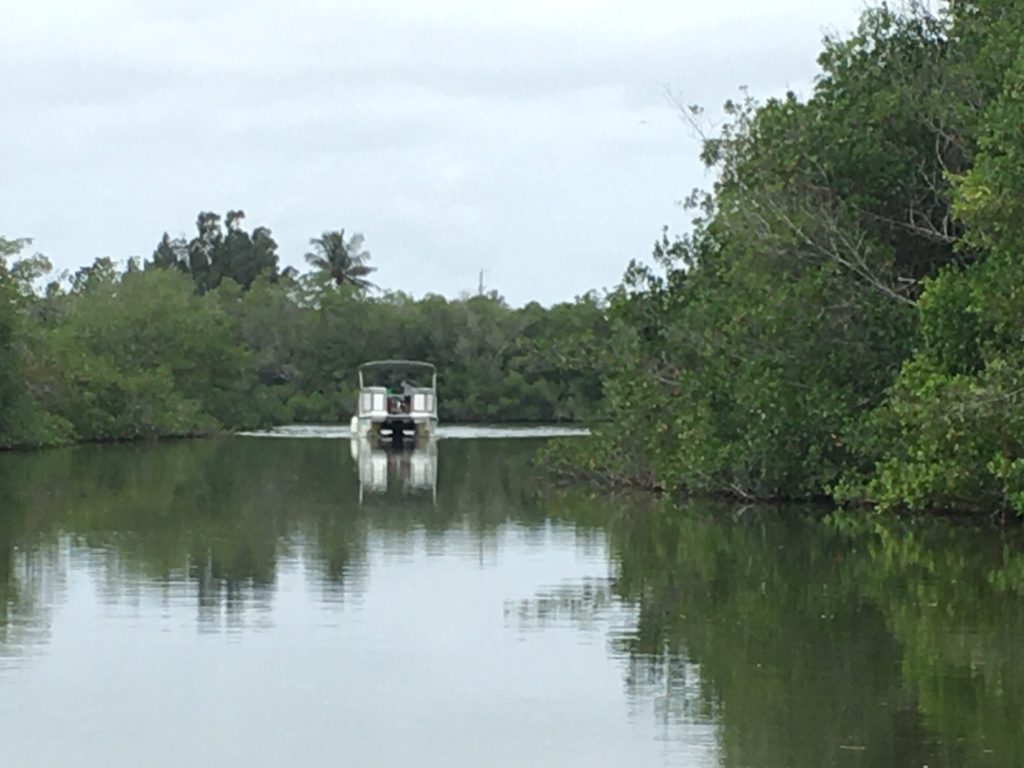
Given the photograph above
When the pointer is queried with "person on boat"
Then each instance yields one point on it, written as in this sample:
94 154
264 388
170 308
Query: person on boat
408 389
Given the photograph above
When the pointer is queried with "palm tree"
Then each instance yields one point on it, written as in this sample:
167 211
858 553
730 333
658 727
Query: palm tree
343 261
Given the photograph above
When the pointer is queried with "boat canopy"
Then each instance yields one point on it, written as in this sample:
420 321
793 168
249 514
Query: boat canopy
399 365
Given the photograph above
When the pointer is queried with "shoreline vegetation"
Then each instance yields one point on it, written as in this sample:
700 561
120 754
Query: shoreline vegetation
844 320
209 336
846 317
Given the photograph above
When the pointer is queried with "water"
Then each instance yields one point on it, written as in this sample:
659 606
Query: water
294 601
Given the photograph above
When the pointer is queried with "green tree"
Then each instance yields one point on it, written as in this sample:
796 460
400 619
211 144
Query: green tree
746 362
341 261
140 355
220 252
950 434
171 254
22 420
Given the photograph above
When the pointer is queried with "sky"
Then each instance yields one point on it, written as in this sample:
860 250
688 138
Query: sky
532 140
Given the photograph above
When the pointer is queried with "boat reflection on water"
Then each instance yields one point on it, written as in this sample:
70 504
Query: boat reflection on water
405 469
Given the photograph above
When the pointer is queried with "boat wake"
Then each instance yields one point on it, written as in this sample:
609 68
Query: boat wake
448 432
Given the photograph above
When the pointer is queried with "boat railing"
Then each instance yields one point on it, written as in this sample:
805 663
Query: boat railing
373 401
380 402
423 402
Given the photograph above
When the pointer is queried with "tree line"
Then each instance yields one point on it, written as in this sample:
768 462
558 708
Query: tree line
846 318
210 334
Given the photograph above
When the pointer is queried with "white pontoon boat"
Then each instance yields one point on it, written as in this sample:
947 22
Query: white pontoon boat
397 400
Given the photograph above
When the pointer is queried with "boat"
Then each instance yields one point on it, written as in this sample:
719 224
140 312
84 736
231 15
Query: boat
395 401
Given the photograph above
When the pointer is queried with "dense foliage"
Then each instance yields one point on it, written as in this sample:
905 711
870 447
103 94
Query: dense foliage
210 335
845 317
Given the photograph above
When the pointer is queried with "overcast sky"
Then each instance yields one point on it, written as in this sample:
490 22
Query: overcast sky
531 139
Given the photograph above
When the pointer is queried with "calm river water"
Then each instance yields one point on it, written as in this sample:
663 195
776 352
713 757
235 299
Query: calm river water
267 602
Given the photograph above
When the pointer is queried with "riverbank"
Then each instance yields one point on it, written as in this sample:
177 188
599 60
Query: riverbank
572 463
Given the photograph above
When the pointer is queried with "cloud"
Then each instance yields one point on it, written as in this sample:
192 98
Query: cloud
532 139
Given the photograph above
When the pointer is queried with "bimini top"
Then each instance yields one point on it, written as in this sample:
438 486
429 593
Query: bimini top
397 364
409 366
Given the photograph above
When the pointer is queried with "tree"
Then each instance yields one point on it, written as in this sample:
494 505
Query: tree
220 252
786 314
11 384
950 432
103 271
171 254
22 421
341 261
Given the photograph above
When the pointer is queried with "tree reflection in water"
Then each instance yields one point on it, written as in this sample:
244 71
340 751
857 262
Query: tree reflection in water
819 638
810 637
